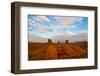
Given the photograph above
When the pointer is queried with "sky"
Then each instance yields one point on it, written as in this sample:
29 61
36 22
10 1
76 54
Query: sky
58 28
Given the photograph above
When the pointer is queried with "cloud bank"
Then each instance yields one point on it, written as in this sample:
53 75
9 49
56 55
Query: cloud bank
72 38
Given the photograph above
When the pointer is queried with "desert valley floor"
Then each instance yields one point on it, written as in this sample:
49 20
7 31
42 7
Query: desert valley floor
49 51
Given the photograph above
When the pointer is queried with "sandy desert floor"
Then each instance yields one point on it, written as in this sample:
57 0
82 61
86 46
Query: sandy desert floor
52 51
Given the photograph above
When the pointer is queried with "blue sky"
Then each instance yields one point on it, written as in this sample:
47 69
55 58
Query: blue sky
80 26
51 26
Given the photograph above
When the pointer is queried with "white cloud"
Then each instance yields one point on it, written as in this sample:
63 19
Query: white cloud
42 18
43 28
71 37
32 24
68 21
71 33
39 39
82 36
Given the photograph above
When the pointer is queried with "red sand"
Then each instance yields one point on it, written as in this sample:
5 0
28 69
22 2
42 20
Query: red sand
56 51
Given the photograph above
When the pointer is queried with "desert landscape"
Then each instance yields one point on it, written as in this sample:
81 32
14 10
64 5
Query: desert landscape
53 37
50 50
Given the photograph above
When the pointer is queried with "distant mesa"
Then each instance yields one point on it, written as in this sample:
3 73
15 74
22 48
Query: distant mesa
58 42
66 41
82 42
50 41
